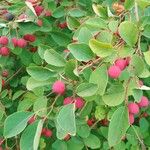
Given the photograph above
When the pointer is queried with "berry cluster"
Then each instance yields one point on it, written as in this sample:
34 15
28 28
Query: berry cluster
115 70
134 108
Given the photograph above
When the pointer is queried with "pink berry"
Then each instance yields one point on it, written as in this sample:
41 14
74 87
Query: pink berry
3 40
5 73
131 118
31 120
143 102
14 41
58 87
67 137
121 63
46 132
23 17
133 108
38 10
62 25
114 71
68 100
39 22
1 148
29 37
21 43
79 102
4 51
48 13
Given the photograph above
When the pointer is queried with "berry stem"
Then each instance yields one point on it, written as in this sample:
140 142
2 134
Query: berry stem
140 140
51 107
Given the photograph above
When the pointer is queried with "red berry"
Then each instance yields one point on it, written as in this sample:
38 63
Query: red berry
128 59
114 72
39 22
104 122
133 108
4 51
121 63
62 25
68 100
58 87
5 73
90 122
66 50
46 132
22 17
67 137
14 41
31 120
38 10
48 13
131 118
144 102
3 40
79 102
33 49
29 37
3 82
21 43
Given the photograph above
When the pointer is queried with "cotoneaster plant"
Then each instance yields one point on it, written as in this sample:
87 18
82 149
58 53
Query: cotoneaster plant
74 75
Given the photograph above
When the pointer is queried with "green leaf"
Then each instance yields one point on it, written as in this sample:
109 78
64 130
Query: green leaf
146 32
114 95
69 69
31 136
17 94
86 89
54 58
40 73
60 38
125 32
72 23
92 142
118 126
75 144
76 12
40 106
16 123
83 130
84 35
81 52
143 3
66 121
137 94
113 26
59 12
138 65
101 49
58 144
147 57
100 77
100 112
32 83
25 104
129 4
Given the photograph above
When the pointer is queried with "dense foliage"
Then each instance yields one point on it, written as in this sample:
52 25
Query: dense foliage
74 74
